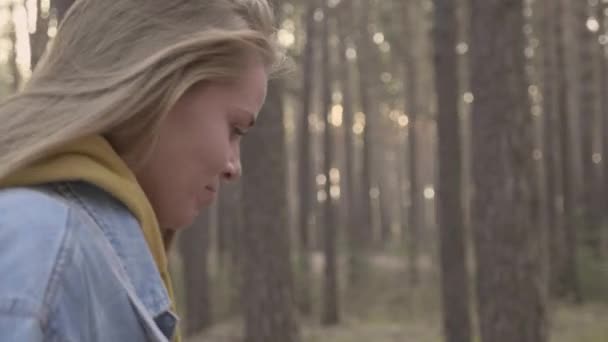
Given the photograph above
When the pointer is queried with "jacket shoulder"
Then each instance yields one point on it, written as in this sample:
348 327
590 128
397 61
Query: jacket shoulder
36 246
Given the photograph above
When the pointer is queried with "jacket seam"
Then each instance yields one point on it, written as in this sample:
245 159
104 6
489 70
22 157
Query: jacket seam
91 212
62 258
68 190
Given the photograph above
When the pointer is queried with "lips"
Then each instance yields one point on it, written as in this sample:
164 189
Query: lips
204 199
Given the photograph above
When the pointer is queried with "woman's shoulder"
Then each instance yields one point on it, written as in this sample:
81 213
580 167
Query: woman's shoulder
45 239
57 270
39 231
34 235
31 221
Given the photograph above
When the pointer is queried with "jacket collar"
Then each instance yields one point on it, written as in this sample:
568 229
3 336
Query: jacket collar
124 233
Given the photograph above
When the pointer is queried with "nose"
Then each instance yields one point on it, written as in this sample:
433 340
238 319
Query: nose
232 170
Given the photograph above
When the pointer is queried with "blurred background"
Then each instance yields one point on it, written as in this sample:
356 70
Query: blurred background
427 171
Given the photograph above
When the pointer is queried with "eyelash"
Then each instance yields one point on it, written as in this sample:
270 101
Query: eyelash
238 132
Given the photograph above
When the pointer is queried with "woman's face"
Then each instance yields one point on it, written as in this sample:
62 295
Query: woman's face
198 146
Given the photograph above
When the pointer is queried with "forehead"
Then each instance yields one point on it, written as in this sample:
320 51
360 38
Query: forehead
244 94
250 88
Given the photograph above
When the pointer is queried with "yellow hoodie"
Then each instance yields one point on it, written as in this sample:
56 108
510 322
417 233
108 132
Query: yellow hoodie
93 160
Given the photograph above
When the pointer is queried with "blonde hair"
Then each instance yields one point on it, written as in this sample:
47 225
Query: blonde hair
117 67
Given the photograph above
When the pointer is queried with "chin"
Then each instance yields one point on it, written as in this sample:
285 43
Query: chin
189 215
182 221
174 228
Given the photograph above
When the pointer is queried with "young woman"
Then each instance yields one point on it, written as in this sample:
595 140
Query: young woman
121 137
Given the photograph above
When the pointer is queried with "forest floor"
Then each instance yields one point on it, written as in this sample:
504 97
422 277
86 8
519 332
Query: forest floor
581 324
388 311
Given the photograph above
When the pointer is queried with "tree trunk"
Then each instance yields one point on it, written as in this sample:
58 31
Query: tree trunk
550 156
305 184
12 59
569 277
39 38
194 243
267 283
351 198
384 217
412 108
226 219
509 244
604 115
454 280
228 253
61 8
587 118
364 63
330 315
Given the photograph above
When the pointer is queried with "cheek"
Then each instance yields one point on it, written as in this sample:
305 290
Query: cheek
207 149
198 147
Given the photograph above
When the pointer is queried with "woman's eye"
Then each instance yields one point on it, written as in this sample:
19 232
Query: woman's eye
239 132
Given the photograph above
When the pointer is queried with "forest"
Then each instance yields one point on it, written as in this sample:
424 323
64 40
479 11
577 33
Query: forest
423 171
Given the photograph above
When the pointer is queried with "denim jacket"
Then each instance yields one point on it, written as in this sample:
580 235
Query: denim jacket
74 266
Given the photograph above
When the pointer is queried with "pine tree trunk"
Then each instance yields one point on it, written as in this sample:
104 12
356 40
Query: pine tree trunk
304 177
12 59
384 217
416 216
550 156
194 243
330 315
61 8
364 63
454 280
569 277
230 221
587 118
604 115
562 268
39 38
509 243
352 200
267 280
